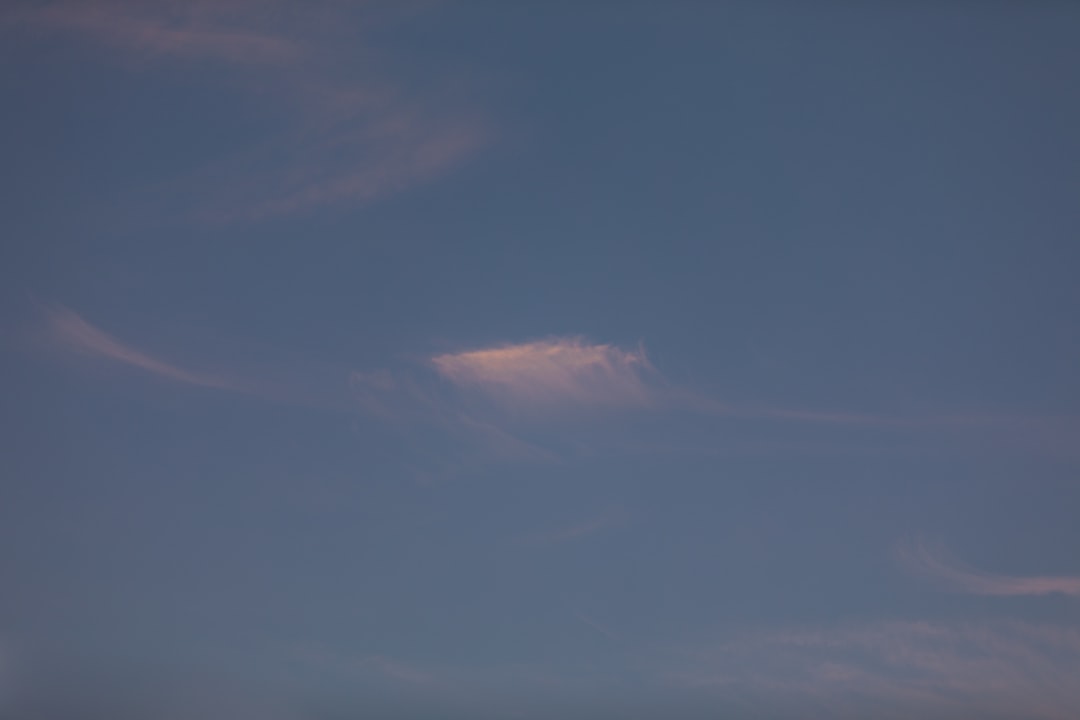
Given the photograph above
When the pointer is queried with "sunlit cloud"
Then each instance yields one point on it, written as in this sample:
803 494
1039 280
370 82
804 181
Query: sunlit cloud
77 334
552 373
525 403
933 561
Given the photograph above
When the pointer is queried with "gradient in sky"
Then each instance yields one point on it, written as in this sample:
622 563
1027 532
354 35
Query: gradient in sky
533 360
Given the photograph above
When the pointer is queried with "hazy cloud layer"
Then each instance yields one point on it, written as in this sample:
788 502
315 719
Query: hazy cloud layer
934 561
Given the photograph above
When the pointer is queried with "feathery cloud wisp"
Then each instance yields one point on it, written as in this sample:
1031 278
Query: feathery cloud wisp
340 138
75 332
192 30
933 561
549 373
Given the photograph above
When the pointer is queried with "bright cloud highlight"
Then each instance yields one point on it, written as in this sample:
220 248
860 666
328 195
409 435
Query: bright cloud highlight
554 372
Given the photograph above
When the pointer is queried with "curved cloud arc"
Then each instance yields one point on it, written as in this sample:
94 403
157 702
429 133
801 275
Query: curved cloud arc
75 332
933 561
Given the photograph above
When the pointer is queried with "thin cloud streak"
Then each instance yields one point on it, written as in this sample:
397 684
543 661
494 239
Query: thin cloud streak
934 561
192 31
598 627
373 666
400 671
416 154
610 519
79 335
895 669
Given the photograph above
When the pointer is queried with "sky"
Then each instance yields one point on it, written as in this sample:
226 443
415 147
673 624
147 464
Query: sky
495 360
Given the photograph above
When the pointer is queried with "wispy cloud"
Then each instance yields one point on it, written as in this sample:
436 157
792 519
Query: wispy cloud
554 372
528 402
934 561
349 129
400 671
612 518
373 154
896 669
194 29
380 666
79 335
575 373
598 627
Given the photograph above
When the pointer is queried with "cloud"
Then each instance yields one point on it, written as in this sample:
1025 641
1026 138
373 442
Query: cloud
599 627
348 129
79 335
934 561
612 518
525 403
400 671
363 164
190 30
571 372
553 373
372 667
450 441
895 669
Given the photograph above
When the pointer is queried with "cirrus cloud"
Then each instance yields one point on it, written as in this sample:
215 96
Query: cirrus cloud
72 330
344 121
932 560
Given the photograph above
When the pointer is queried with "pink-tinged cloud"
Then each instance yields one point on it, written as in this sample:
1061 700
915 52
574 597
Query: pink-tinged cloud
77 334
894 669
359 169
342 138
552 373
934 562
188 30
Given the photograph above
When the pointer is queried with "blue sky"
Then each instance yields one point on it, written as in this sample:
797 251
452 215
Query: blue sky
522 360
